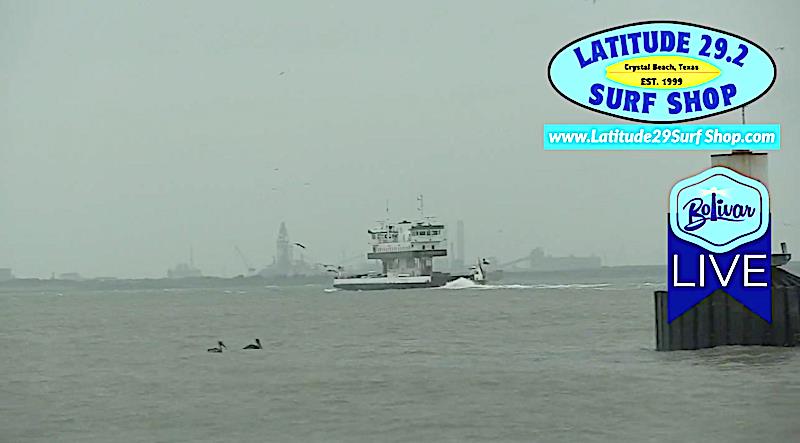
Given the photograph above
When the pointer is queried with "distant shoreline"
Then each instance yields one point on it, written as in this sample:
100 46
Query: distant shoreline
646 272
258 281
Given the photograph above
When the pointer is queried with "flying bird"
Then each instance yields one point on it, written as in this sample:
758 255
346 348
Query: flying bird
781 48
300 245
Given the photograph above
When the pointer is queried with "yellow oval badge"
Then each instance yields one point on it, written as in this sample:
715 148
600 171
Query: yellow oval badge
662 72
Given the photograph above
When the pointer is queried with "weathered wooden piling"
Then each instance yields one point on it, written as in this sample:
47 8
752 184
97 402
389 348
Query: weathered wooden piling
721 320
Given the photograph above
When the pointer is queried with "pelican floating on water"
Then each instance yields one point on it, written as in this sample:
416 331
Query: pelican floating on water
255 346
219 347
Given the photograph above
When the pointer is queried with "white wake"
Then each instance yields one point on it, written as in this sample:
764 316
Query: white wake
463 283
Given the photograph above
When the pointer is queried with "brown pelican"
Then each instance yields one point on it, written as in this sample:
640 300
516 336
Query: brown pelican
255 346
219 347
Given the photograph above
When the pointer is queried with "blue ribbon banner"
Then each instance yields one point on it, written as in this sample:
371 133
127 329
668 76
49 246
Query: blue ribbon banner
695 273
719 238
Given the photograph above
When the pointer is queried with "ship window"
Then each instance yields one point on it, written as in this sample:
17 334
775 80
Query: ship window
434 232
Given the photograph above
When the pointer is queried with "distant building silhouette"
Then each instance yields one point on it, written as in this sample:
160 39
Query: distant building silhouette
72 276
184 270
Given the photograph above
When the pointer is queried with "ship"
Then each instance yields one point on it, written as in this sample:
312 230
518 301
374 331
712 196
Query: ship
406 251
539 261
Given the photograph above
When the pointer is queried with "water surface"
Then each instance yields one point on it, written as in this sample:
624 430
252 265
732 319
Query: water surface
550 360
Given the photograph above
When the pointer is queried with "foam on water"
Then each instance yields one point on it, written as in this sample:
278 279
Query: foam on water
463 283
573 286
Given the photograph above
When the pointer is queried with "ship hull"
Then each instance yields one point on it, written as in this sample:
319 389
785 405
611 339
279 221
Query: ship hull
436 280
381 286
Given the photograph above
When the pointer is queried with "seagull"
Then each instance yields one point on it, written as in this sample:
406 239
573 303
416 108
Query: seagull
218 349
781 48
300 245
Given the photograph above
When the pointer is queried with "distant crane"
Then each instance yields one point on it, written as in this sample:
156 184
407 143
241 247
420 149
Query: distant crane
250 270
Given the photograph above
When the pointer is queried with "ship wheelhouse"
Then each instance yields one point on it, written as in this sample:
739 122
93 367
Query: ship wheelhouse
406 248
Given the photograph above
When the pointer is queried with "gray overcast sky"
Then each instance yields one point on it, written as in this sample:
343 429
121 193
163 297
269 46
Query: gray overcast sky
132 130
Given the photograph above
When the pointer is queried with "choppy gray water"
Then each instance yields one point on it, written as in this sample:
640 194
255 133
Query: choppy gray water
548 362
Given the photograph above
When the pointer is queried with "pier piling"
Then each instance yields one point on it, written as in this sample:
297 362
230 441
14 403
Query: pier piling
721 320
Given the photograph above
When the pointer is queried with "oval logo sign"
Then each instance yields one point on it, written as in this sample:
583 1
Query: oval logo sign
662 72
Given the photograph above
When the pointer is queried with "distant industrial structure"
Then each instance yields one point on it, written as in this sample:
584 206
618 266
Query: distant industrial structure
457 262
71 276
538 261
185 270
284 263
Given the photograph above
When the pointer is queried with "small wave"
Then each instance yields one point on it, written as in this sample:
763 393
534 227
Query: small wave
463 283
331 289
574 286
515 286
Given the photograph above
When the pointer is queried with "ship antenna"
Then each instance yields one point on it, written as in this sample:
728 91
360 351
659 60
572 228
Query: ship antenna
421 207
